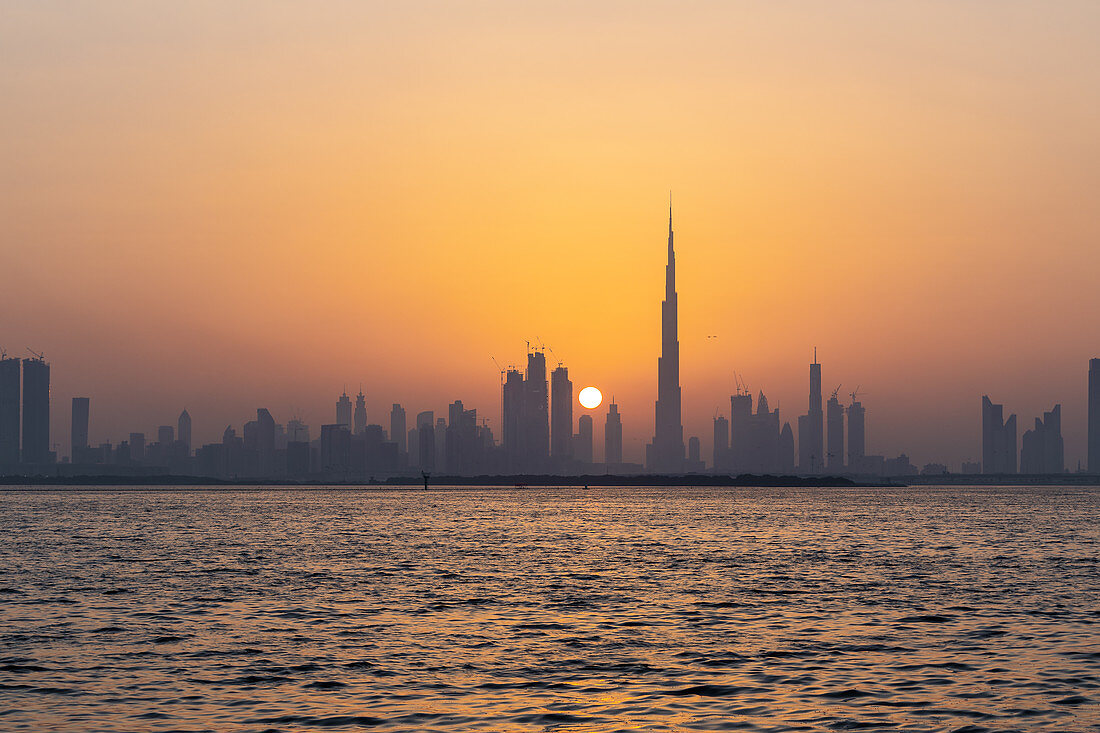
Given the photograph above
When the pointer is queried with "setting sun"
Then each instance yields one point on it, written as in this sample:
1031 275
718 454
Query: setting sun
590 398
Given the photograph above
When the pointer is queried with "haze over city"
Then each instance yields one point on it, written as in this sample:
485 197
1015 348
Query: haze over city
213 208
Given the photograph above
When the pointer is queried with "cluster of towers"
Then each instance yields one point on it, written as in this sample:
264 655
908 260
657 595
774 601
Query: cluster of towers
24 411
537 423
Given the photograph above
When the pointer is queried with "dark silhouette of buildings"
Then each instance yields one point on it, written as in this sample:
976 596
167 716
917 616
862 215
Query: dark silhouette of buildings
360 417
78 431
397 428
754 437
582 441
998 439
36 411
137 447
425 431
721 450
834 420
10 388
561 417
666 453
526 412
183 430
613 435
1094 416
786 449
810 443
1041 448
857 447
343 411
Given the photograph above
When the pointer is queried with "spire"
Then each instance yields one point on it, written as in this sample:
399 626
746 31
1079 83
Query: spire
671 254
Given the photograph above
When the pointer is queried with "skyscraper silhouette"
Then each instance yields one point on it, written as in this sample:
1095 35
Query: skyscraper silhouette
343 412
811 446
537 406
398 433
1094 416
613 435
9 411
1041 448
666 453
78 431
834 419
721 444
183 430
856 435
36 411
561 417
360 413
998 439
582 441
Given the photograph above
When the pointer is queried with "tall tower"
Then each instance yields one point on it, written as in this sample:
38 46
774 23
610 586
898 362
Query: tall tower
613 435
561 416
397 427
834 419
36 411
360 413
811 446
9 411
183 430
343 410
666 453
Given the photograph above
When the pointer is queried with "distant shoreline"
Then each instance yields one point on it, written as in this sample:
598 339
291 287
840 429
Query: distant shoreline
516 481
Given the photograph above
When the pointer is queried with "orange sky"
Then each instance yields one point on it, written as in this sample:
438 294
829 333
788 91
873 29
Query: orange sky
230 205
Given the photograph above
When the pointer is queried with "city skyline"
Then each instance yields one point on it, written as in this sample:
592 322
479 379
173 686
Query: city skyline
266 213
535 431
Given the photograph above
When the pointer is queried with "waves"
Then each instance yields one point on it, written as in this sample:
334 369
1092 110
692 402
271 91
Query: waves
606 610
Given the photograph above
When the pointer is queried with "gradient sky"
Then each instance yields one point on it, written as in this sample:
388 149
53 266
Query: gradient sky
231 205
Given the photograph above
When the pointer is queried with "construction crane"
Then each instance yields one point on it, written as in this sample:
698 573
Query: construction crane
554 357
855 393
499 368
836 390
37 355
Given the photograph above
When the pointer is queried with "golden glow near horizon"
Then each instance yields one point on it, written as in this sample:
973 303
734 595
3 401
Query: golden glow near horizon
225 206
590 398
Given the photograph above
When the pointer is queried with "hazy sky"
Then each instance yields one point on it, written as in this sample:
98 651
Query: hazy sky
231 205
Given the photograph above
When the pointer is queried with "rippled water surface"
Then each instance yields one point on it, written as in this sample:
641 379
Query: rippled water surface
954 609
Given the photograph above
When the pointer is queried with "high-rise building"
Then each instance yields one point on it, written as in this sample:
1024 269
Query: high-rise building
856 435
165 435
694 450
360 413
9 411
397 427
613 435
1041 448
537 413
1094 416
721 444
811 445
137 447
785 463
426 434
582 441
36 411
512 429
665 454
343 411
834 421
79 429
740 429
183 430
998 439
561 416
